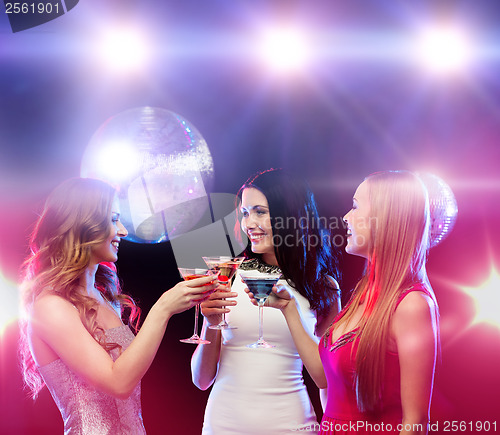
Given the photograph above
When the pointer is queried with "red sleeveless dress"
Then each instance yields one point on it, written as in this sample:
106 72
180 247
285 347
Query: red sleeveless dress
342 415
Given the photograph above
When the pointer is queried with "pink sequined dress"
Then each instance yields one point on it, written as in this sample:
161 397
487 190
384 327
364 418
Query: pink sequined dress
342 415
88 411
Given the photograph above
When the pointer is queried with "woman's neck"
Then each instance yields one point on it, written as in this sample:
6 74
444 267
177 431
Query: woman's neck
87 281
270 258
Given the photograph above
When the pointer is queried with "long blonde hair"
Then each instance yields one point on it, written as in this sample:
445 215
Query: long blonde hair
75 218
399 216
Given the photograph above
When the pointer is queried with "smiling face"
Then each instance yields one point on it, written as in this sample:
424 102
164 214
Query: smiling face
256 223
107 250
359 223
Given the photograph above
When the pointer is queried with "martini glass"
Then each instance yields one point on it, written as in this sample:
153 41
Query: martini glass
261 285
189 274
226 267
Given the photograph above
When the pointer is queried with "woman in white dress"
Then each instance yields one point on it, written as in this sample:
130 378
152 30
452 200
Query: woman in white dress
262 390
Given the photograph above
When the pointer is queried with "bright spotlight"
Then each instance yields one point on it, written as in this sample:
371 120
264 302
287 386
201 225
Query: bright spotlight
123 50
9 308
118 161
443 50
284 49
486 299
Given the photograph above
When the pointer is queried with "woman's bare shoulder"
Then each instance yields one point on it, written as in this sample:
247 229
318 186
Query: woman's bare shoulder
414 310
48 298
51 308
414 302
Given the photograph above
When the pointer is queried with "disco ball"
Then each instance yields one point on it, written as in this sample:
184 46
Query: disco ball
161 166
443 207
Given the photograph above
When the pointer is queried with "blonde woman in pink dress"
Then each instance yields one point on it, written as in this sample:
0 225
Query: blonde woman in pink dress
379 354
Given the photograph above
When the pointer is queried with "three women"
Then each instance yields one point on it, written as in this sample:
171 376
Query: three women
377 357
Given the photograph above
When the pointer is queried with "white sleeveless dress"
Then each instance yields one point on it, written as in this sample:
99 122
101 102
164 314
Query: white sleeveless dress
260 391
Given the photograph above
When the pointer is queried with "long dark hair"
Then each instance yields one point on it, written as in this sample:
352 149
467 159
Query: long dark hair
302 244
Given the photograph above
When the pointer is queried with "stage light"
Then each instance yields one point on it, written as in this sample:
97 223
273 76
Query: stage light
9 308
486 299
117 161
123 50
443 50
284 49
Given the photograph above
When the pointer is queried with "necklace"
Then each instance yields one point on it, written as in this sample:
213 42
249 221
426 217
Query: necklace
257 264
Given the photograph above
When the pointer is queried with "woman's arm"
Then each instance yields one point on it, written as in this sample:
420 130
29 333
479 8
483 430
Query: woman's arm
56 322
323 397
305 344
326 320
205 359
414 328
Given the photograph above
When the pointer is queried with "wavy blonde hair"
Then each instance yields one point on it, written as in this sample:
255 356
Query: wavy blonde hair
76 217
399 213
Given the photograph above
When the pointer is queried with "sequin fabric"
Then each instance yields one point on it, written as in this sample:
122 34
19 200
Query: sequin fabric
88 411
256 264
348 337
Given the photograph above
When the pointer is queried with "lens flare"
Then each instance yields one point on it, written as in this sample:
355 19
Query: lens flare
123 50
284 49
118 159
486 299
443 50
9 308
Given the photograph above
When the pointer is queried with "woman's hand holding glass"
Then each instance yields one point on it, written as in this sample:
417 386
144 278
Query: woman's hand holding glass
217 304
186 294
279 298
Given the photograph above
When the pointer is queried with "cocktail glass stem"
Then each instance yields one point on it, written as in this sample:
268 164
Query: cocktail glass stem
261 323
223 322
197 315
